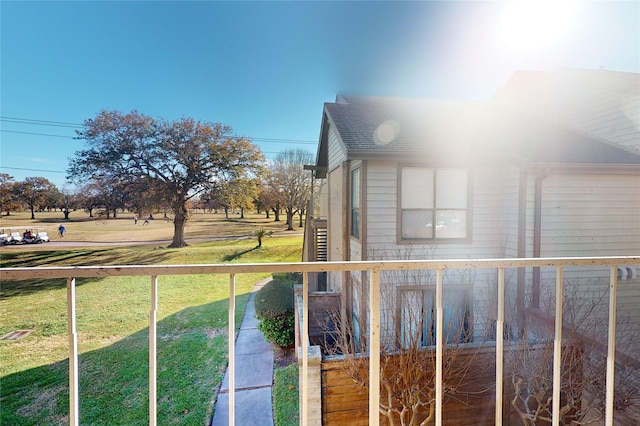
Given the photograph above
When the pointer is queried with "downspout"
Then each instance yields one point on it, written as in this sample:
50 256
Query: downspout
537 239
521 248
347 284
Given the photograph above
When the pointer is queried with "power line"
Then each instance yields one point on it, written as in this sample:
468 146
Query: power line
275 140
281 141
29 121
39 122
37 134
31 170
58 171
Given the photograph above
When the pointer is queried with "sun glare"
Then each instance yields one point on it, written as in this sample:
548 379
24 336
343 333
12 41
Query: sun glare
533 25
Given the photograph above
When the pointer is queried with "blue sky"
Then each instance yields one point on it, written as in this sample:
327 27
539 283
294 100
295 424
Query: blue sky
266 68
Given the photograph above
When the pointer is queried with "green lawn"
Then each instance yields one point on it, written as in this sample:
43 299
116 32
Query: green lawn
112 320
285 396
80 227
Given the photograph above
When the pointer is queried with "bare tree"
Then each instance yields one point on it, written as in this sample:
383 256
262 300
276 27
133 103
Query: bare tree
529 363
270 196
291 182
68 200
407 356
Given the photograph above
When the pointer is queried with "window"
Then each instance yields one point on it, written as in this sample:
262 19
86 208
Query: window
434 203
355 203
418 316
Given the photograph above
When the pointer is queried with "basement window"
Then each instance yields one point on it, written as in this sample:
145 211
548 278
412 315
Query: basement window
15 335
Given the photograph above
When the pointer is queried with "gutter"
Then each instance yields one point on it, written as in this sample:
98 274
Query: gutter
537 238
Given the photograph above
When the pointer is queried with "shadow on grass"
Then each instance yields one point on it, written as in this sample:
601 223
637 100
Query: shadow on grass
80 257
13 288
91 257
114 386
239 254
73 218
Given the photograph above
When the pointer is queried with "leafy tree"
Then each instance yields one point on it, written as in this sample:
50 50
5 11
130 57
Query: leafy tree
219 197
236 193
88 197
260 202
292 182
270 196
243 192
34 192
110 190
54 199
207 203
7 193
69 200
179 159
142 197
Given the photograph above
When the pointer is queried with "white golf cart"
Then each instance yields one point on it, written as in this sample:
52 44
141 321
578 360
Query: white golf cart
31 235
42 235
4 237
35 236
15 236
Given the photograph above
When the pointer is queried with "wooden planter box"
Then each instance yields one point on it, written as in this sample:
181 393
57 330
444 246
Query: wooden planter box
343 402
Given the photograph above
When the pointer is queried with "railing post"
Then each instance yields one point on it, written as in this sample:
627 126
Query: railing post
153 356
74 414
557 347
305 348
439 328
232 349
500 347
611 346
374 348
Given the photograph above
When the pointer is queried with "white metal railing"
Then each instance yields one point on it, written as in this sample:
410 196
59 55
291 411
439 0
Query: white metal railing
374 268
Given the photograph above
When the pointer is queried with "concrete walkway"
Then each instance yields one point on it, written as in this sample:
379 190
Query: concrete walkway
254 375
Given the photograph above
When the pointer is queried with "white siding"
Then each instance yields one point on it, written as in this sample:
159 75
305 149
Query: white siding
336 154
582 215
335 226
381 189
355 249
494 217
594 215
336 208
509 213
609 116
489 215
590 215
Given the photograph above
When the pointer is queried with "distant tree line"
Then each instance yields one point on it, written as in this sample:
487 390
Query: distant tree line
33 194
138 164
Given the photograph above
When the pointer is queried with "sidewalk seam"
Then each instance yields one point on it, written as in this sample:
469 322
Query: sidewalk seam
247 388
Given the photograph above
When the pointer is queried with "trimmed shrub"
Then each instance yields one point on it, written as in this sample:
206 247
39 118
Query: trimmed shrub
292 278
274 310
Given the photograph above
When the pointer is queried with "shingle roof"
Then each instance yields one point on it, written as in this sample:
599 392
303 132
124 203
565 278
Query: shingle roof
605 104
397 124
539 140
406 127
